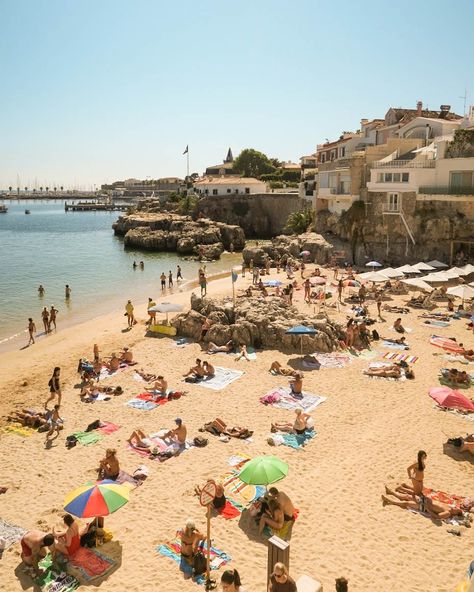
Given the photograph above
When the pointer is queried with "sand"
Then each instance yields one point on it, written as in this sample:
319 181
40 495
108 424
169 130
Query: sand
369 431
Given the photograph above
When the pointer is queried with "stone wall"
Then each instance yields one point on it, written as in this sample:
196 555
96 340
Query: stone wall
262 215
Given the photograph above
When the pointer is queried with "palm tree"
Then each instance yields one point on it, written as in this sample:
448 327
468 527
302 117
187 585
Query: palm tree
62 188
26 188
41 189
55 189
299 222
47 189
10 189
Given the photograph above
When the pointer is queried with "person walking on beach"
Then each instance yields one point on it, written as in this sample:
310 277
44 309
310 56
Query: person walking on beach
52 317
54 387
45 317
163 281
170 279
178 273
67 292
129 312
40 291
340 288
152 315
203 284
378 300
31 331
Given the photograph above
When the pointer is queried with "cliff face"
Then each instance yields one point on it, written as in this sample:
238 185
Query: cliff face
259 215
171 232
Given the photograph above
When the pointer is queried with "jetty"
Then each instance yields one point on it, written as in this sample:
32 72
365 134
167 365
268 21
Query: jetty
87 206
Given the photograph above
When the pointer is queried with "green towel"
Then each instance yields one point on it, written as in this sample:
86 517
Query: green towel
87 438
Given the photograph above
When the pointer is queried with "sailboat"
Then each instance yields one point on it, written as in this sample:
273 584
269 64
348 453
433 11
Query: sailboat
3 208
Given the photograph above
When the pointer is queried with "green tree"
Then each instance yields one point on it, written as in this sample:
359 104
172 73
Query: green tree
252 163
187 204
299 222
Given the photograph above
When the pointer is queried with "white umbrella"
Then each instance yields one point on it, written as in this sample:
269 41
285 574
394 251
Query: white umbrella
391 273
469 268
452 275
462 291
373 264
437 264
471 284
407 269
374 276
440 276
166 307
458 270
422 266
418 283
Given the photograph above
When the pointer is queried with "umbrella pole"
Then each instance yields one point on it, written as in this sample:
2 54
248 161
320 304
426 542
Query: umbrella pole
301 342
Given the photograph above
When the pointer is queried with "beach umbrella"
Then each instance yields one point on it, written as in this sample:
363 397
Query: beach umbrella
471 284
263 470
317 280
373 264
461 291
391 273
407 269
422 266
374 276
301 330
96 499
457 270
418 283
351 284
436 277
468 267
438 264
273 283
166 307
448 397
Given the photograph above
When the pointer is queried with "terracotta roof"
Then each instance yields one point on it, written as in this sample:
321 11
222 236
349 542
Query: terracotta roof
227 181
406 115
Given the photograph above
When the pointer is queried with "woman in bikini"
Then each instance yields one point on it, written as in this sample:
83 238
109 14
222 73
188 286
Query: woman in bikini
415 473
190 539
69 540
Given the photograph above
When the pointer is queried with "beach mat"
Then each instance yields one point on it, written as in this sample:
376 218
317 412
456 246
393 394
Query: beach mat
391 345
438 324
282 398
10 533
107 427
127 479
90 563
222 378
363 354
142 405
298 441
327 361
240 494
172 549
87 438
158 400
17 430
54 579
409 359
446 344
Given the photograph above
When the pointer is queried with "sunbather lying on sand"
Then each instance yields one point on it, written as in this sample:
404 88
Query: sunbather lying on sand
29 417
463 444
392 371
218 428
436 510
400 341
138 439
277 368
212 348
146 377
456 376
469 354
299 426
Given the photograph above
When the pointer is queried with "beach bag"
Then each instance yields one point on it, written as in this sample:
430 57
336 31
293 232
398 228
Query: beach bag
375 335
200 442
71 441
199 562
93 426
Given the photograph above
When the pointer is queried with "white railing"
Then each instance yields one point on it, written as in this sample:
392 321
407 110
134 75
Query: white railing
404 164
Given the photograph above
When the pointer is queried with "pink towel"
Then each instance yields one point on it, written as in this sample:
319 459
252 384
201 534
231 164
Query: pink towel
108 427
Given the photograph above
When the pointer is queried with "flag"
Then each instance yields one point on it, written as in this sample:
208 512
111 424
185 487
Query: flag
234 276
186 150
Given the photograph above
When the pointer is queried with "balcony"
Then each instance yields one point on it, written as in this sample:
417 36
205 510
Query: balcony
439 190
404 164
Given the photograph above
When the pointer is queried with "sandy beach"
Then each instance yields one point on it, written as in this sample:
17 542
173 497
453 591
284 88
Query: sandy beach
368 432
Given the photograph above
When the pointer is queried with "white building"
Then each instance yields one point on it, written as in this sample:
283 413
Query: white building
229 186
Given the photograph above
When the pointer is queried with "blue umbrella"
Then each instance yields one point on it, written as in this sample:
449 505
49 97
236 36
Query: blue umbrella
273 283
301 330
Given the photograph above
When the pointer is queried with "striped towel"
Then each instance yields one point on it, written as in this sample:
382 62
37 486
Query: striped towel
401 358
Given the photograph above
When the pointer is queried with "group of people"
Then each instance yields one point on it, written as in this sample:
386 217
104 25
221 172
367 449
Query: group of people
200 371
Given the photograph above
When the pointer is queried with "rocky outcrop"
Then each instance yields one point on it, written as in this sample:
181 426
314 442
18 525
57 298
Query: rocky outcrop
257 321
284 247
155 231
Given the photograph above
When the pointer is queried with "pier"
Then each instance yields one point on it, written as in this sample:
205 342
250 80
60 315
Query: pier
82 206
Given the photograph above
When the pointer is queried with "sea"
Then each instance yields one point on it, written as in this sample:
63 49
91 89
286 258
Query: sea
53 248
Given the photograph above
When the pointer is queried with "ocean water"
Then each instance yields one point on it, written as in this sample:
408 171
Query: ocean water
55 248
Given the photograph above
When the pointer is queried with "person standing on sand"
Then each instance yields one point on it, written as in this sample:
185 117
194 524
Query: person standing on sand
179 275
152 315
170 279
40 291
378 300
52 317
54 386
67 292
96 352
45 317
203 284
163 281
129 312
31 331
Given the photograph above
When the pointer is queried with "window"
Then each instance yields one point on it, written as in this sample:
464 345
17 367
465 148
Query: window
379 177
229 190
236 191
396 177
461 179
333 154
342 152
214 192
323 157
247 190
388 178
206 191
393 202
405 177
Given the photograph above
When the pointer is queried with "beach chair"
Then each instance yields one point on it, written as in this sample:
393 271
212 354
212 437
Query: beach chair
306 584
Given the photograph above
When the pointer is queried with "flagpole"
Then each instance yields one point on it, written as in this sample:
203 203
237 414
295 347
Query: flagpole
187 161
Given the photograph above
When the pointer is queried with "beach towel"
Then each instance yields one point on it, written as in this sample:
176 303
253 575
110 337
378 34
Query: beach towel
172 549
53 579
364 354
325 361
435 323
238 459
157 399
143 405
455 358
10 533
401 358
446 344
107 427
222 378
87 438
18 430
90 563
126 479
298 441
283 398
181 342
451 499
231 510
394 345
238 492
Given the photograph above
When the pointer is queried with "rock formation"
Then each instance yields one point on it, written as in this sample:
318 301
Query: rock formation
172 232
282 247
257 321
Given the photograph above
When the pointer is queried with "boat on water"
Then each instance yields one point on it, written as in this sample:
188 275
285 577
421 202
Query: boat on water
27 211
3 208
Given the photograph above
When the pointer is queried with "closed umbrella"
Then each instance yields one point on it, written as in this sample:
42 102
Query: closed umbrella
166 307
96 499
263 470
448 397
301 330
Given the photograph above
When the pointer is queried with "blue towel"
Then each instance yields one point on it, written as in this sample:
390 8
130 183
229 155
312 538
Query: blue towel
298 440
394 345
143 405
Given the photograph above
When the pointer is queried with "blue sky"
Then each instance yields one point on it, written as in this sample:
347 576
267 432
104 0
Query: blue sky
98 90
